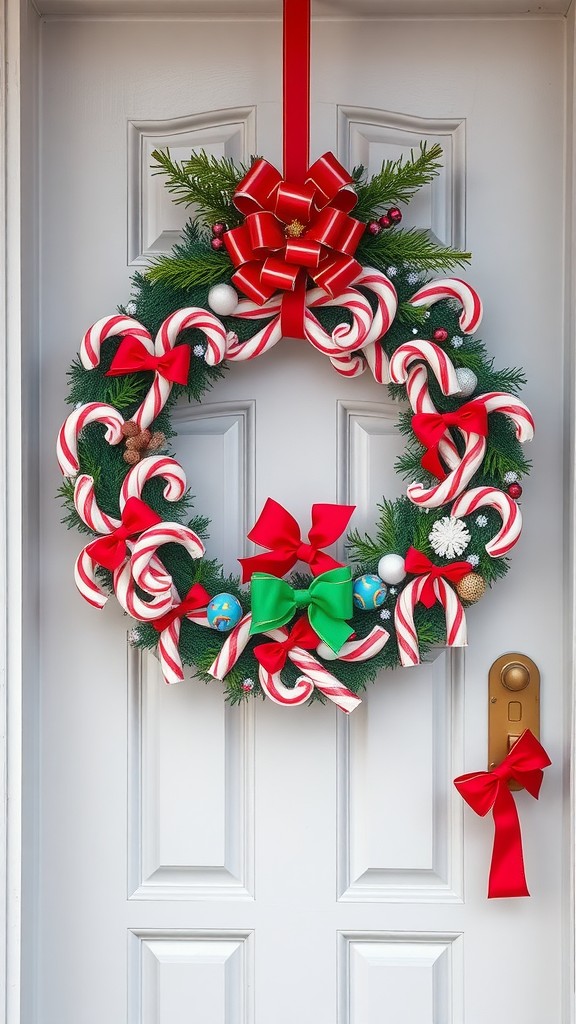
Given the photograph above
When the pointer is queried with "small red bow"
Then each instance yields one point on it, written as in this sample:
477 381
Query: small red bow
294 230
419 564
133 357
276 529
196 597
430 428
273 656
111 550
485 791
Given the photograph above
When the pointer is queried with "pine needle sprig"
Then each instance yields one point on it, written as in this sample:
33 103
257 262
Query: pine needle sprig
397 181
203 181
186 272
412 247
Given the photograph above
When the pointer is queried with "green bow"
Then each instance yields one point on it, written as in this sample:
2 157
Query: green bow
328 599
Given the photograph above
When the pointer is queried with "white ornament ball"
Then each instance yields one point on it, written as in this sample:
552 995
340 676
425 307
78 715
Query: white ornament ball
392 568
223 299
326 652
467 380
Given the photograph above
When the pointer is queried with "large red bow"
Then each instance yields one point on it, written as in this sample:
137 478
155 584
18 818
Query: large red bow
111 550
419 564
430 428
273 656
489 790
196 597
133 357
294 230
276 529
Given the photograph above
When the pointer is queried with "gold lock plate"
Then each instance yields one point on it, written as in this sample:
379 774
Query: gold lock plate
513 705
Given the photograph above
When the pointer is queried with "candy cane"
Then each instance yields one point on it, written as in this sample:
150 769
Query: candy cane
110 327
148 469
441 365
132 603
88 509
193 316
362 650
323 680
404 618
460 477
145 549
287 696
67 443
232 648
492 497
169 645
452 288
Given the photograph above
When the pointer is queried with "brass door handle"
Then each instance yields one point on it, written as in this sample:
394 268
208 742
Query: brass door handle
513 705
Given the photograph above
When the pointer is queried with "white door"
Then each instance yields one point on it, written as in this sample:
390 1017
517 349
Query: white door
219 865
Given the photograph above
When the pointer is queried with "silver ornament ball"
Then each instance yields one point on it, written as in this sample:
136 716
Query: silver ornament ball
392 568
223 299
467 380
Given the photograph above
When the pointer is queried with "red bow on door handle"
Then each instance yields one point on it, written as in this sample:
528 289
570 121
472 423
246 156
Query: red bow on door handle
485 791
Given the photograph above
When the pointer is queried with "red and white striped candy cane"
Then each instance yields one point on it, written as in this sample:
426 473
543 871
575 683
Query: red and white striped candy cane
203 320
169 644
92 412
473 457
88 509
493 497
133 604
148 469
142 564
404 618
233 646
323 680
452 288
362 650
110 327
426 351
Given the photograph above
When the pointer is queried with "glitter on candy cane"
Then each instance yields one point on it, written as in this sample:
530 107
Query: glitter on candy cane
449 537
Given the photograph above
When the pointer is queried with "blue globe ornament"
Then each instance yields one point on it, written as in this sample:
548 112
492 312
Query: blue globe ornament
224 612
369 592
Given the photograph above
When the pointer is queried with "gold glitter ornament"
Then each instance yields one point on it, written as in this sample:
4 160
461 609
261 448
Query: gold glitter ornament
471 587
295 229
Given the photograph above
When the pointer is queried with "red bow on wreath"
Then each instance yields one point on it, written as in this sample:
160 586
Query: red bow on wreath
276 529
430 428
419 564
133 357
292 230
111 550
196 598
273 656
485 791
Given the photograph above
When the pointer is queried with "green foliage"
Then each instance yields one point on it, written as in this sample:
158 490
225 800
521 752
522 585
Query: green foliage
412 248
203 181
397 181
191 263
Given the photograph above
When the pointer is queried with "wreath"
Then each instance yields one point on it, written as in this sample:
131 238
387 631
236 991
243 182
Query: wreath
328 261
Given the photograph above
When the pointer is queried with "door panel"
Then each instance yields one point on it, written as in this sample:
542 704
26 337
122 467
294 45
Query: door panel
258 865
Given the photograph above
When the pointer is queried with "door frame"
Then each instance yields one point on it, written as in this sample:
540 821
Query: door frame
19 502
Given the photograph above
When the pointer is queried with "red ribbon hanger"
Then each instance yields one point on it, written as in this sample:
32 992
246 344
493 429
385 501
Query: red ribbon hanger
485 791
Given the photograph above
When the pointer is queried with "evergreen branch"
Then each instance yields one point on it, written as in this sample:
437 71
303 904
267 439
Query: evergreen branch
203 181
413 247
125 391
186 272
397 181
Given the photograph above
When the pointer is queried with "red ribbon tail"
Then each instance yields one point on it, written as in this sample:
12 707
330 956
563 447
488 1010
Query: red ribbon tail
507 876
293 309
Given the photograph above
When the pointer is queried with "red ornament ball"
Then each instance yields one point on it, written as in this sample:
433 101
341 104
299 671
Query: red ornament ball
384 221
395 214
373 228
515 491
218 229
217 243
440 334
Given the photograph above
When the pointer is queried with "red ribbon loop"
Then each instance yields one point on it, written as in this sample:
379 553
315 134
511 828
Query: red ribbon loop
273 656
485 791
133 357
288 225
277 530
196 597
111 550
419 564
430 428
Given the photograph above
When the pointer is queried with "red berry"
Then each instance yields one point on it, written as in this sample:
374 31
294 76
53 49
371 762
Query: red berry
440 334
217 243
395 214
218 229
384 221
373 228
515 491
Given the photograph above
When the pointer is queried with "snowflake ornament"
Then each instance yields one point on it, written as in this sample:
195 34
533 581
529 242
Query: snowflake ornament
481 520
391 271
510 477
131 308
449 537
385 614
413 278
457 341
199 350
473 559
